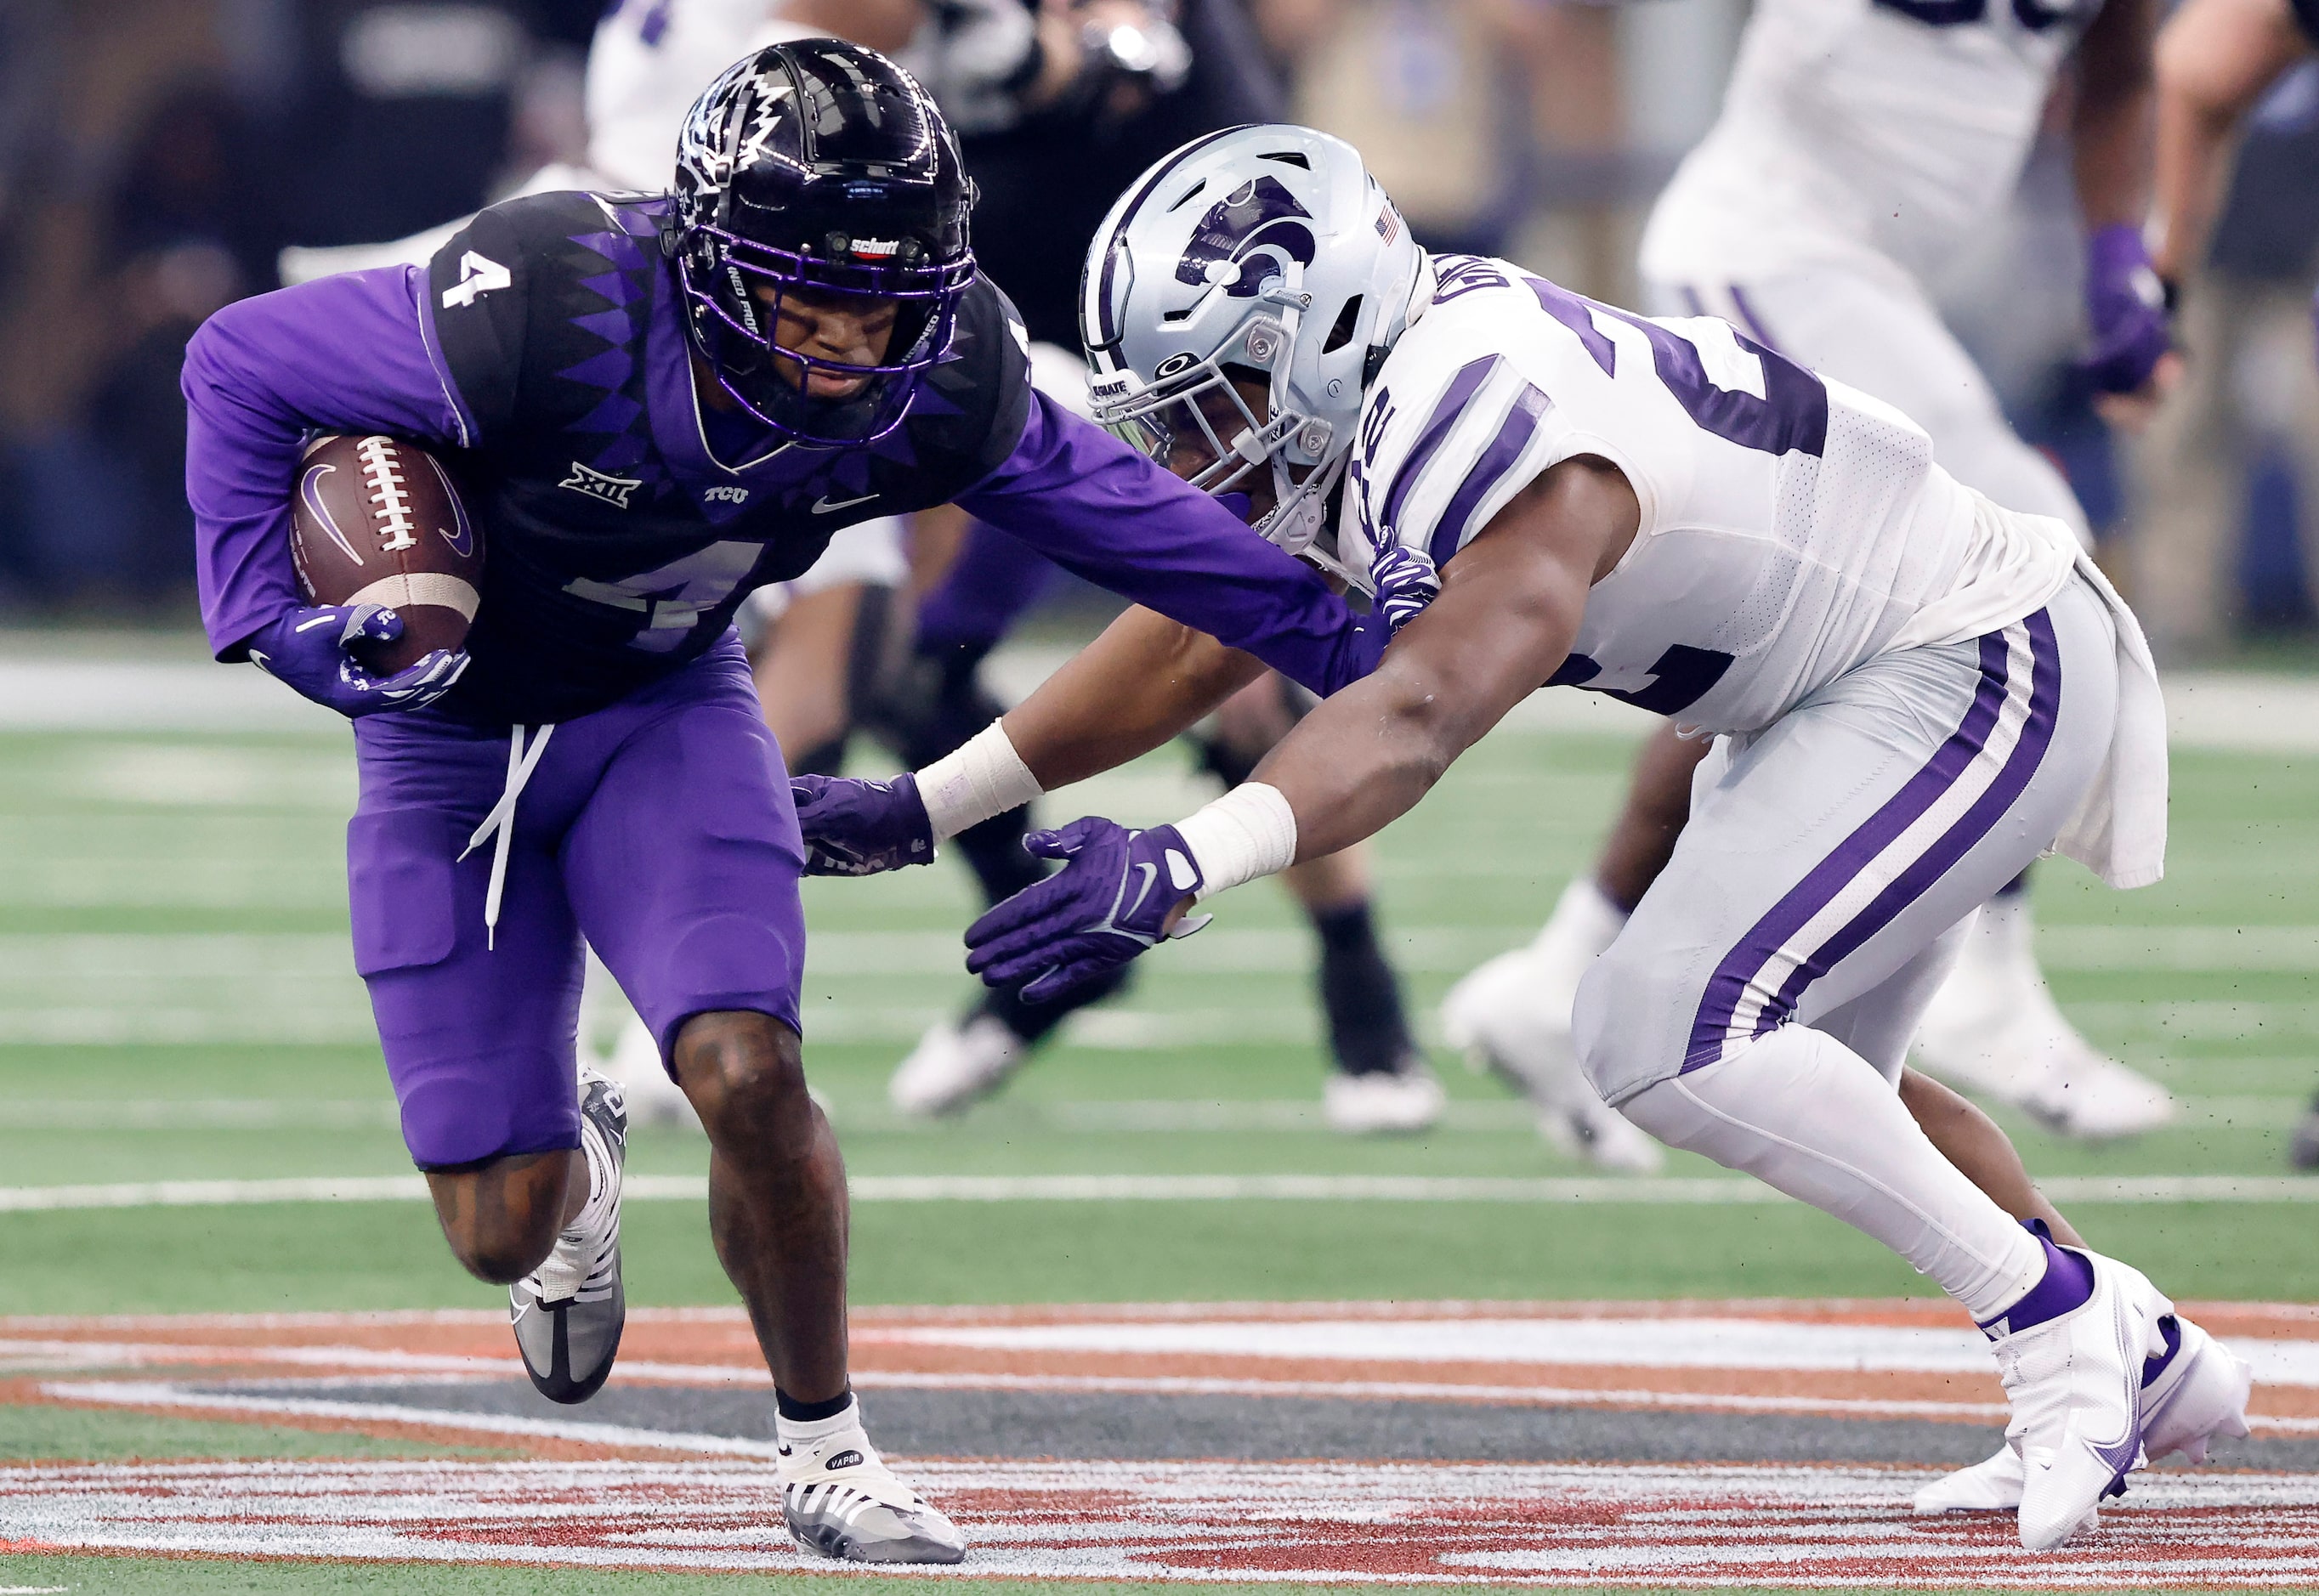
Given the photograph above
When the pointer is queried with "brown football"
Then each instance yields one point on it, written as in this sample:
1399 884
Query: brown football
375 520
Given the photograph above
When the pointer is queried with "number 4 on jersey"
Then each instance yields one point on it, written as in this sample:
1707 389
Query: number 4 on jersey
478 274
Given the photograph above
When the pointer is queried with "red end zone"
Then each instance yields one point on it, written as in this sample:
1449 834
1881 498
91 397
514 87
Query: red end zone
597 1494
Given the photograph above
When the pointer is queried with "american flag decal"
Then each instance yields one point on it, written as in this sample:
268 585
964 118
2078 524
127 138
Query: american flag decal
1388 225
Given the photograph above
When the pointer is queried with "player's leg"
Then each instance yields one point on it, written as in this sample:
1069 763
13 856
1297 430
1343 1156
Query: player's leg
683 869
1380 1081
1994 1028
1511 1015
1821 869
477 1023
939 702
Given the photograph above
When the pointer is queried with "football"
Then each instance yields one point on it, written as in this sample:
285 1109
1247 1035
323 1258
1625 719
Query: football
377 521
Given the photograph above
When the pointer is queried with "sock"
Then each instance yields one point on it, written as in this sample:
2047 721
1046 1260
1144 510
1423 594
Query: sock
810 1421
2067 1281
1368 1031
1033 1023
1802 1113
1584 922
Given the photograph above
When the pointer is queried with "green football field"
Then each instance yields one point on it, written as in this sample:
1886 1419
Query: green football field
176 1004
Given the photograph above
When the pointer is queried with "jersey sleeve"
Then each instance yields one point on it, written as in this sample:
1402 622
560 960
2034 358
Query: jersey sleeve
344 353
1104 512
476 308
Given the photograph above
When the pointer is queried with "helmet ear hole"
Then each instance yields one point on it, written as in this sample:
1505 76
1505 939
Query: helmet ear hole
1341 333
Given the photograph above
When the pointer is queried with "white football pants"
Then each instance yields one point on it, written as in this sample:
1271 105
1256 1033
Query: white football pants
1756 1005
1887 338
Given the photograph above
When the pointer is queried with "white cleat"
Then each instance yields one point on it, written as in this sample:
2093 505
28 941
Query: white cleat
841 1501
2076 1387
1994 1030
1512 1017
953 1065
2195 1391
653 1099
1384 1102
568 1313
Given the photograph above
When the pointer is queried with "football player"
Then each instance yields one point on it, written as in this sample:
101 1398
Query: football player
1863 145
654 405
2216 59
1912 693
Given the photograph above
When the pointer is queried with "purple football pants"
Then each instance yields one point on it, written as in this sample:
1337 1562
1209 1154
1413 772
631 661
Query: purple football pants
660 828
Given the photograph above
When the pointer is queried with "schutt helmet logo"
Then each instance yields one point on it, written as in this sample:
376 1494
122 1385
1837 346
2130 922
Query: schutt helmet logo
1258 218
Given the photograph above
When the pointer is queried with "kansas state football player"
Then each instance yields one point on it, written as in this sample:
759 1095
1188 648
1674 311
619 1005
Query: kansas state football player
654 405
1863 146
1912 692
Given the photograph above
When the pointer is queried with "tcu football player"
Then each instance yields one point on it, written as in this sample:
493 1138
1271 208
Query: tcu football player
1912 693
653 406
1863 145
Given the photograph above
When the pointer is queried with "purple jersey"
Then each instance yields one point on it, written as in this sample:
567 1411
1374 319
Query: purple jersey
542 355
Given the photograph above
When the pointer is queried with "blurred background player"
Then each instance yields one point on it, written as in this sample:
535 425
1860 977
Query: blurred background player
1861 146
2216 60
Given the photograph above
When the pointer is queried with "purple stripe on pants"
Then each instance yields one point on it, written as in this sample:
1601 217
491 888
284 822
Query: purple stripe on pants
1437 427
1728 984
2028 754
1530 408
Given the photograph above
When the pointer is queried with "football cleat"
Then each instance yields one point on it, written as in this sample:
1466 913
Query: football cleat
954 1065
1995 1031
1383 1102
2075 1382
841 1501
1512 1018
2193 1392
569 1312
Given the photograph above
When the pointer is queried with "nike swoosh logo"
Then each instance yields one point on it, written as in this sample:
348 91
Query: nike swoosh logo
824 504
1150 873
2119 1456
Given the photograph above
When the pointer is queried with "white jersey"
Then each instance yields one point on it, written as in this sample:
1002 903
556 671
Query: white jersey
647 64
1858 128
1792 527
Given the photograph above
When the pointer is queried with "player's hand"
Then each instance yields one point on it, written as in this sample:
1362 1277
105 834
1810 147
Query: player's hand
2132 325
860 828
309 649
1118 893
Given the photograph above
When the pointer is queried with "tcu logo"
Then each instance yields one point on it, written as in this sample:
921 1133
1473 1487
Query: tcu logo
725 494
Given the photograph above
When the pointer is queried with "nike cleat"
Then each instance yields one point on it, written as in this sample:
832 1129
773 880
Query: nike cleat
2191 1393
1383 1102
841 1501
568 1315
2076 1387
1510 1017
954 1066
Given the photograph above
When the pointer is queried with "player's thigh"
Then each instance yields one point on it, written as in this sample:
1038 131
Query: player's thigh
1881 1023
1824 858
684 866
477 1026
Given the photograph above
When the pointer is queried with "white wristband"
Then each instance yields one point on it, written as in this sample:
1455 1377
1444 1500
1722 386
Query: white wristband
983 776
1250 832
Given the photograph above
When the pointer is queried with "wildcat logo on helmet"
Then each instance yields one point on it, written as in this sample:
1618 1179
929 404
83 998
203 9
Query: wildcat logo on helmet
1260 219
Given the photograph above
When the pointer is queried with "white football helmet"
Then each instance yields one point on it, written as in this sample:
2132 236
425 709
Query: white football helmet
1270 252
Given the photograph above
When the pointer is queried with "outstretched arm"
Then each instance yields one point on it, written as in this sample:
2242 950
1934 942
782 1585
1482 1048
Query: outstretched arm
2215 60
2127 310
1509 610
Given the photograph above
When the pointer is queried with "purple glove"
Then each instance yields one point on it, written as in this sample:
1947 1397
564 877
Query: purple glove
1109 902
860 828
2126 308
307 648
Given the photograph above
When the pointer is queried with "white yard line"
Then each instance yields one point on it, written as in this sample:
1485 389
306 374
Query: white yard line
1704 1192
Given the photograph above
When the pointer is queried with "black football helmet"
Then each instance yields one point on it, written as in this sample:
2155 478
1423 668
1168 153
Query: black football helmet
816 164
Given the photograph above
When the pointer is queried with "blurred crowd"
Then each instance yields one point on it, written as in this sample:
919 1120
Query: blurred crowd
156 156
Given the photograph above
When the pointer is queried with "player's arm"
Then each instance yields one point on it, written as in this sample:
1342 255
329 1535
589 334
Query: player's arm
2126 307
1507 613
343 353
2215 60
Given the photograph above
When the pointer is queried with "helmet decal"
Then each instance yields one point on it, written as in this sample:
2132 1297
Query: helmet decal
1258 219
